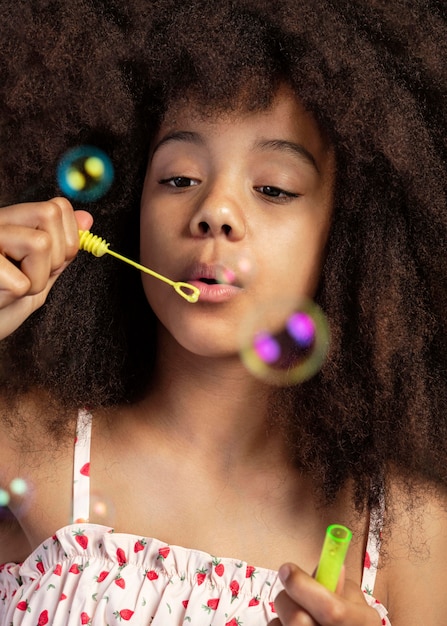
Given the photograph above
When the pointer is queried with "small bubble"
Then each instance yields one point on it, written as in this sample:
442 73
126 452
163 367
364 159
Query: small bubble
85 173
237 270
4 498
101 509
19 486
285 343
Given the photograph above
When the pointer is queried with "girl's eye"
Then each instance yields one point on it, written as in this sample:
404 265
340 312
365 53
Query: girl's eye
178 181
275 192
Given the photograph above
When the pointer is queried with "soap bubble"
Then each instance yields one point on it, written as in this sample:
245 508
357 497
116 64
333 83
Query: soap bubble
4 498
236 269
285 343
18 495
102 510
85 173
19 486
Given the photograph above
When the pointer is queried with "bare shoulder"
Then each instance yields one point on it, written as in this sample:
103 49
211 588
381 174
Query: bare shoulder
415 555
32 460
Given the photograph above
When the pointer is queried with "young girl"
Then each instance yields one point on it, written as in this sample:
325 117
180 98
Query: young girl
304 137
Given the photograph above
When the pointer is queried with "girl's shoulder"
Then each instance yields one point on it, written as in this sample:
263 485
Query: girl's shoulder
35 467
415 545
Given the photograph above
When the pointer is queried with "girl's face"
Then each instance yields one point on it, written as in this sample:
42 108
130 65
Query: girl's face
242 195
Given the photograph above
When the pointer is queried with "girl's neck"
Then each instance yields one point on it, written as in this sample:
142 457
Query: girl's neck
212 405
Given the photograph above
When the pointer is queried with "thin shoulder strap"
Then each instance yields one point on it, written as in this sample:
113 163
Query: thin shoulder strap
372 554
81 467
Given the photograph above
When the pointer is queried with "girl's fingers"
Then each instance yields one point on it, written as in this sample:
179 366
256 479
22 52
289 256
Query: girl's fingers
56 231
305 602
37 242
25 263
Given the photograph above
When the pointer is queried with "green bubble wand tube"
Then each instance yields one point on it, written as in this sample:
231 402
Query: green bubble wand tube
333 553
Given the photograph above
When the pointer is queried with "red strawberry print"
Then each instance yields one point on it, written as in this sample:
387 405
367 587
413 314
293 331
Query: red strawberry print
85 618
124 614
23 606
272 607
85 470
40 565
254 601
43 618
185 603
234 588
121 556
213 603
74 569
63 597
120 582
219 567
139 545
151 574
58 570
201 575
81 539
102 576
250 571
367 561
163 553
233 622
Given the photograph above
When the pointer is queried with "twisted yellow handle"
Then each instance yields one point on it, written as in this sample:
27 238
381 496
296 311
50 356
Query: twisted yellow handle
98 247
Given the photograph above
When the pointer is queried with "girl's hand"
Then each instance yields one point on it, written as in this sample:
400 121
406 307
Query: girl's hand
305 602
37 242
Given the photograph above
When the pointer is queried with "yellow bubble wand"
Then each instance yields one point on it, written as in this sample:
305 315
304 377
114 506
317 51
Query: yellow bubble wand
98 247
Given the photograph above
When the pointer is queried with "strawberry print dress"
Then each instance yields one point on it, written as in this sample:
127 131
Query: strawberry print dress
88 574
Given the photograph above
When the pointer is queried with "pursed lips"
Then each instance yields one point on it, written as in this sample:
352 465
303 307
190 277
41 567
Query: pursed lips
213 274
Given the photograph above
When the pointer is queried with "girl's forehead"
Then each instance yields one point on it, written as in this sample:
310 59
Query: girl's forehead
284 110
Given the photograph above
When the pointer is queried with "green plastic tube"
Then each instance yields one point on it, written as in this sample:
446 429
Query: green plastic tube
333 553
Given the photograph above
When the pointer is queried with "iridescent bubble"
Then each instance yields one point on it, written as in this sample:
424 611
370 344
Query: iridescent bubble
5 513
237 270
19 487
85 173
4 498
285 343
102 509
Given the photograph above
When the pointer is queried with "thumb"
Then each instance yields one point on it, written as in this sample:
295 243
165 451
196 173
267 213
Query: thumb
84 219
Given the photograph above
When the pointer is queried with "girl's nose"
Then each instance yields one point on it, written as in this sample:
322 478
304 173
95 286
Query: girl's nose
218 216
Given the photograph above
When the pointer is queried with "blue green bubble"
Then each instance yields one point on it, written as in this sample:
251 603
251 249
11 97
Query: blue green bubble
85 173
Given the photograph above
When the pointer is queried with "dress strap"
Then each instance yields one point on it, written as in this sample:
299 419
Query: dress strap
372 554
81 467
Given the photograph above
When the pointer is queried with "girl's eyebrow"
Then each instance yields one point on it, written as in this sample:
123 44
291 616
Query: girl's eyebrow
186 136
288 146
281 145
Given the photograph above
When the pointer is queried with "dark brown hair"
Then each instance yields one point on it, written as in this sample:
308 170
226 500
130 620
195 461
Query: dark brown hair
374 75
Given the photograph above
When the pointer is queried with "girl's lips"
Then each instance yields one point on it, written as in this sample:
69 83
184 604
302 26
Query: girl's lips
205 277
215 292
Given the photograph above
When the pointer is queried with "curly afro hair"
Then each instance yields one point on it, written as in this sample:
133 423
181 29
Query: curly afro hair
373 73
